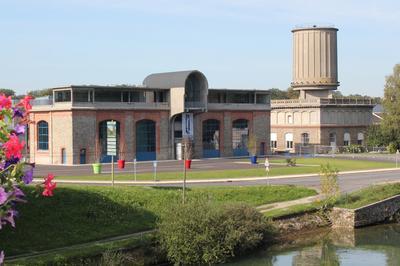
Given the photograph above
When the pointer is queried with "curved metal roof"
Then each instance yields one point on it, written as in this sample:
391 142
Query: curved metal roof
170 79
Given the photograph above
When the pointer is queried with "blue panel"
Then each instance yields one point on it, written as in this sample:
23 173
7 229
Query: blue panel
146 156
240 152
210 153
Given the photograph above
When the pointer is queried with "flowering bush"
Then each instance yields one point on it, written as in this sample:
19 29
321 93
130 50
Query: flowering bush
14 172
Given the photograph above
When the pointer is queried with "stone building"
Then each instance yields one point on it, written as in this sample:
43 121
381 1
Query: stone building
71 126
316 118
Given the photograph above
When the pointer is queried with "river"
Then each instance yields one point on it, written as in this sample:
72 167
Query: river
374 245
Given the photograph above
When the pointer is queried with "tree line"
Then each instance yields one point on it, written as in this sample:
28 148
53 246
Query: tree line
387 133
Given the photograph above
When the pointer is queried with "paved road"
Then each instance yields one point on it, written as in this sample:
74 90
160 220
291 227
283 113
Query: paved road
347 182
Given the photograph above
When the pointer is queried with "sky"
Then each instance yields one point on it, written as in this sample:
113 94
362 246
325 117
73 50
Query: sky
237 44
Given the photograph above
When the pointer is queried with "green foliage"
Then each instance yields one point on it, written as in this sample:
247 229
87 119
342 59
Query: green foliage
7 92
277 94
375 136
200 233
329 183
40 93
391 104
392 147
353 148
290 162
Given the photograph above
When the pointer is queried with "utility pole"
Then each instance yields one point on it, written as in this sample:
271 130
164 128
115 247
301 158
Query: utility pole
184 174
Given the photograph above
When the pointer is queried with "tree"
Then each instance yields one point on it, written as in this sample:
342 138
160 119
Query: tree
7 92
40 93
277 94
391 104
292 94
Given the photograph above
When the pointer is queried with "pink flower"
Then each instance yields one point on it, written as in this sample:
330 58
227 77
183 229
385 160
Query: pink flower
1 257
5 102
13 147
49 186
26 102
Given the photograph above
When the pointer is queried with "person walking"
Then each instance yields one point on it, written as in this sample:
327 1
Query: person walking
266 164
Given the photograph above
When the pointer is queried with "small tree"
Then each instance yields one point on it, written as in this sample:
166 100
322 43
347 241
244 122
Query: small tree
252 144
188 149
329 183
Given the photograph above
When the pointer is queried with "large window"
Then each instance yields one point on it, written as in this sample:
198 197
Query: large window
62 96
290 119
289 141
346 139
145 140
240 135
43 135
305 139
210 138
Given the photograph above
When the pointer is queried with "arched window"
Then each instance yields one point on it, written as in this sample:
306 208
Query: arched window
360 138
305 139
146 140
240 136
289 141
43 135
103 135
346 139
210 138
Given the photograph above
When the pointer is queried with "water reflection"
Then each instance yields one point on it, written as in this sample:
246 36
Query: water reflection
376 245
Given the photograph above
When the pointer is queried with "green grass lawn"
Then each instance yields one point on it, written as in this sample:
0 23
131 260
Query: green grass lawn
368 195
306 166
87 213
352 200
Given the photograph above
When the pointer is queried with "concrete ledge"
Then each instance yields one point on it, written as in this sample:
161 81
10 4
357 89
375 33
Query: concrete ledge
367 215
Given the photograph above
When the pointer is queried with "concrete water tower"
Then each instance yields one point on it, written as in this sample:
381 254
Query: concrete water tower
315 61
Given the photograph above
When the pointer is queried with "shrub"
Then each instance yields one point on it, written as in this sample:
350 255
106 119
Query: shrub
329 183
290 161
392 147
353 148
201 233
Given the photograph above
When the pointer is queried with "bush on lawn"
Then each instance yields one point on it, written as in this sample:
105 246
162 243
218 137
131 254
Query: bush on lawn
201 233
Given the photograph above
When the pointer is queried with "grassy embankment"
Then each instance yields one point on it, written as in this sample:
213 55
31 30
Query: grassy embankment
351 201
305 166
82 214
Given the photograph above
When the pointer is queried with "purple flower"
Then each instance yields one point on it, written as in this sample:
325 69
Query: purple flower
1 257
28 176
9 217
13 160
18 192
17 112
3 195
19 129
